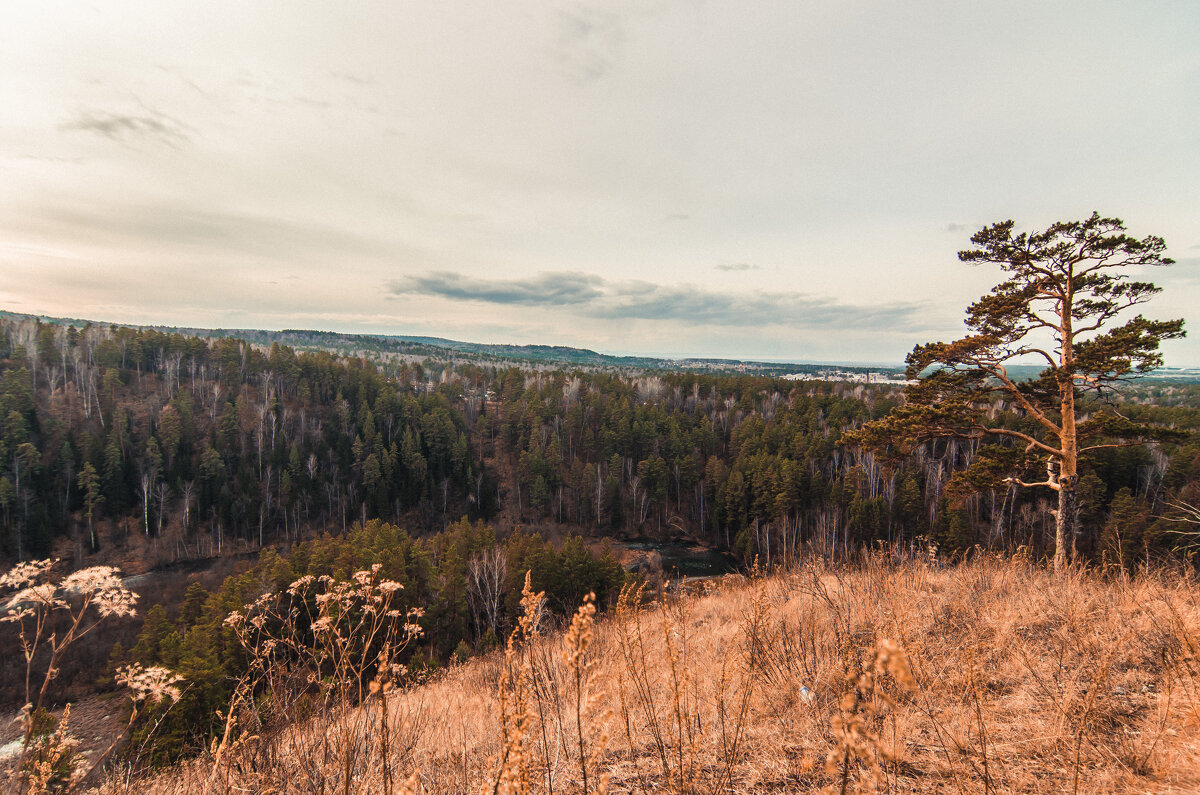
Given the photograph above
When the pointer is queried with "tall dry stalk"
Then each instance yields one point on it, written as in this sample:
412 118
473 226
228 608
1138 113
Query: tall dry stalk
581 665
685 719
749 660
638 693
82 601
512 775
857 748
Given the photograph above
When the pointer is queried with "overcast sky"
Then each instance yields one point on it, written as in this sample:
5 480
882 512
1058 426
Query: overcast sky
784 180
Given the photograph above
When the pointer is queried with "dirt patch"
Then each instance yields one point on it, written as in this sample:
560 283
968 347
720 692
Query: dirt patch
96 721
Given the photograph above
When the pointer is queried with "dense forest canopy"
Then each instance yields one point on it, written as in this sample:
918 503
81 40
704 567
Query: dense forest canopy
179 447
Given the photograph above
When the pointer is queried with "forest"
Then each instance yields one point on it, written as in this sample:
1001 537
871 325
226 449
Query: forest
200 447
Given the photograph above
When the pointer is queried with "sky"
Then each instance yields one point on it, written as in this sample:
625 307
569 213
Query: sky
767 180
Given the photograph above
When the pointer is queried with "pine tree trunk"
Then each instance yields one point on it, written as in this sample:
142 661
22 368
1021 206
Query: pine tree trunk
1066 519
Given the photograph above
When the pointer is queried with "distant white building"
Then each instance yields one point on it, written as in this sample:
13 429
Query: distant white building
854 377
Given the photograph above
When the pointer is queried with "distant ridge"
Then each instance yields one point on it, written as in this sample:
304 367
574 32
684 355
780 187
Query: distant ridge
441 348
385 345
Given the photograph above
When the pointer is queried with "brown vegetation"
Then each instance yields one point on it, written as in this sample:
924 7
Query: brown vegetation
992 675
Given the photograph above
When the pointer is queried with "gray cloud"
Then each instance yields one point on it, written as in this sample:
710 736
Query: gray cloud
738 266
121 127
545 289
350 77
956 228
597 297
589 38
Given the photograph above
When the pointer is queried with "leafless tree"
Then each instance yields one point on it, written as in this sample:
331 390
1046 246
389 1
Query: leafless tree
485 586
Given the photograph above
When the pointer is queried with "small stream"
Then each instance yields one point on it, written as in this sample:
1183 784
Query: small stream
679 558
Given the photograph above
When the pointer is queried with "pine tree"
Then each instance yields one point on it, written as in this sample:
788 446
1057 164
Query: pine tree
1064 290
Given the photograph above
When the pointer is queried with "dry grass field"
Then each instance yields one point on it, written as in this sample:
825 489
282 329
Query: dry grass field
993 675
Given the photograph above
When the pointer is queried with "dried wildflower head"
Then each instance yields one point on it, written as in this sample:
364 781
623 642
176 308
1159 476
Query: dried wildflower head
630 598
301 584
25 573
41 596
103 587
55 750
890 658
854 742
532 605
154 683
388 672
579 634
91 580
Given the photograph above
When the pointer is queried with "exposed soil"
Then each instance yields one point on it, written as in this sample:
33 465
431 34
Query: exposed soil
96 721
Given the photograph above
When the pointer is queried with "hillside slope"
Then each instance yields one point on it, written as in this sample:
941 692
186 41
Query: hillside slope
993 675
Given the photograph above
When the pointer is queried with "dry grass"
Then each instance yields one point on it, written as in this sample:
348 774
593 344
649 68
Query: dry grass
990 676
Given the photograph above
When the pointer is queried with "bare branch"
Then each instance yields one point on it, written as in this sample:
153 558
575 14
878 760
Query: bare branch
1031 442
1047 483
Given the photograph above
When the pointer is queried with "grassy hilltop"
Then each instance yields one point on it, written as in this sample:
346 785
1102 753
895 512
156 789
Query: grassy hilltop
992 675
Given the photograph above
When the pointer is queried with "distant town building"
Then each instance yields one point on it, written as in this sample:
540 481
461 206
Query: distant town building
856 377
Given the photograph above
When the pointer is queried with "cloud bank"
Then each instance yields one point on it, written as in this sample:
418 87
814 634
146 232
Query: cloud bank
597 297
